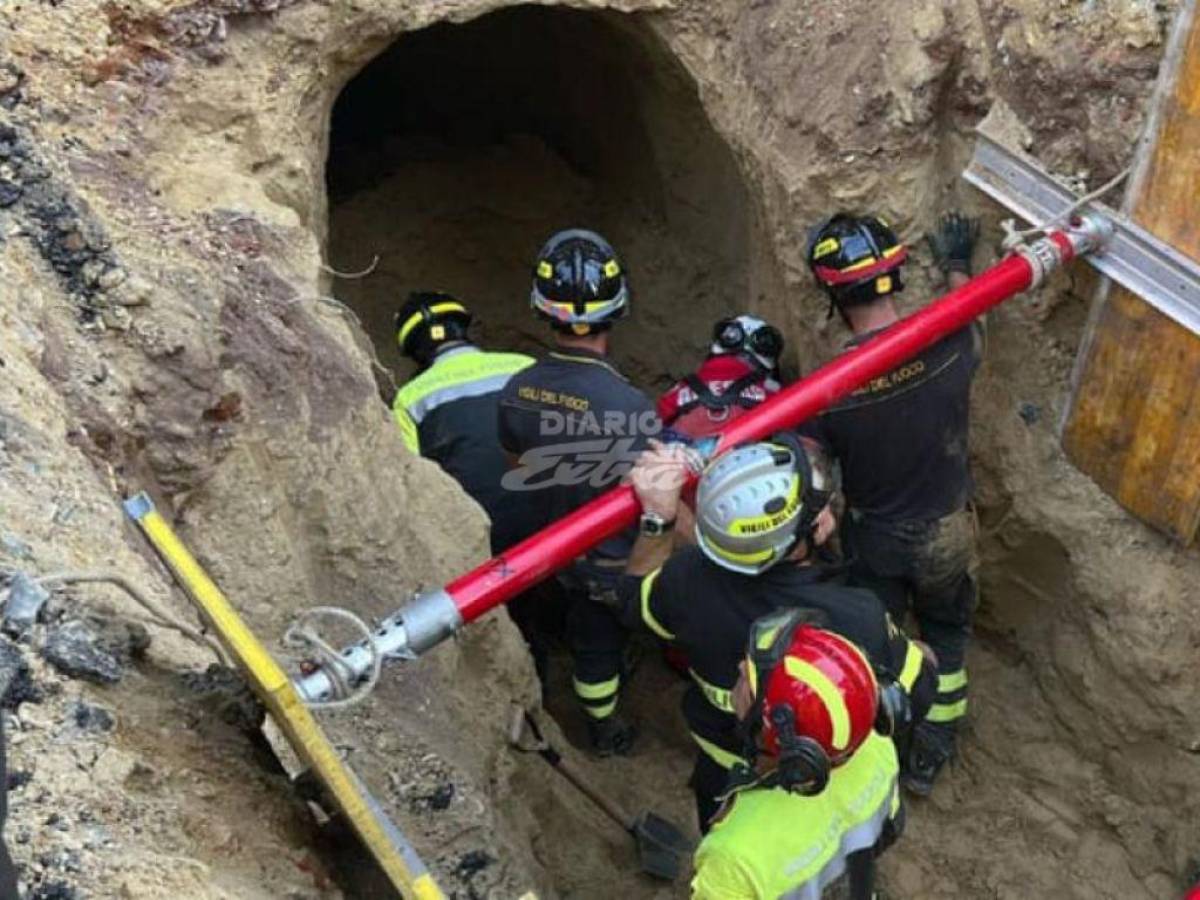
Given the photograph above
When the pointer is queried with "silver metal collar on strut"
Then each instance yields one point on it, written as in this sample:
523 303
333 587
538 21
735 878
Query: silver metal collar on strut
425 621
1124 251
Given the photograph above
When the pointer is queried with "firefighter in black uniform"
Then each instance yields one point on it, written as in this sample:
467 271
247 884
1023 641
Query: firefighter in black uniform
573 425
448 411
762 514
901 441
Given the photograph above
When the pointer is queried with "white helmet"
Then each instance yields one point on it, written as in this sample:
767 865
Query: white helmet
756 502
750 335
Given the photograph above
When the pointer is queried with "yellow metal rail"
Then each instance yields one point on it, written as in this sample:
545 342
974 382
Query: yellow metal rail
378 833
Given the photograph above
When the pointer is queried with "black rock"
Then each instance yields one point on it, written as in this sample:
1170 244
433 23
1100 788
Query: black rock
55 890
17 779
92 718
16 684
74 649
10 192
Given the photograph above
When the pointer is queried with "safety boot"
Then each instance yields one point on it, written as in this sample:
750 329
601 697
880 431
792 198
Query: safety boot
612 736
931 748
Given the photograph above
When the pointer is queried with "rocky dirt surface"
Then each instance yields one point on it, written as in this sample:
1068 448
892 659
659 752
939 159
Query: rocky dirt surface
163 220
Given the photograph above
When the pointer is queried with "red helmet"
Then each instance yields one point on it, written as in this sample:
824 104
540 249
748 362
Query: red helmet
821 687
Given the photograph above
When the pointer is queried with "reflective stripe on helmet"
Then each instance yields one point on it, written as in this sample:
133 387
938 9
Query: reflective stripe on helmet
416 318
749 563
771 521
594 311
835 704
864 269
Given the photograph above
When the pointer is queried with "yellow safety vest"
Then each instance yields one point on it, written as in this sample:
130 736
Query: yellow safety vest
456 373
774 844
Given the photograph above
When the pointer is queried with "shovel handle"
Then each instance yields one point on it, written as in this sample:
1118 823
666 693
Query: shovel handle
610 806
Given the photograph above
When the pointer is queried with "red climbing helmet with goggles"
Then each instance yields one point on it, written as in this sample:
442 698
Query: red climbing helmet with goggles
816 699
856 259
749 335
578 283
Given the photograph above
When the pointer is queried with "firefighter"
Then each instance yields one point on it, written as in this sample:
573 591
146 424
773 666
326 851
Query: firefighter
448 411
762 516
901 441
740 372
573 425
822 789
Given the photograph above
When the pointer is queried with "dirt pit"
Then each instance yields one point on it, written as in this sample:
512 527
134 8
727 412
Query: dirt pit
175 175
458 149
456 152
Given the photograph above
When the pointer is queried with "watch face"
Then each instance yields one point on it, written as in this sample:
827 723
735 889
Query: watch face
653 525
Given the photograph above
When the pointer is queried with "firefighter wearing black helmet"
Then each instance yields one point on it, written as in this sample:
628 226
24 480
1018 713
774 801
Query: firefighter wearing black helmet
573 425
447 412
901 441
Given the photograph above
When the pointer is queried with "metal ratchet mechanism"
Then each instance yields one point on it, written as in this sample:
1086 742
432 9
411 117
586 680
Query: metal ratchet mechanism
425 621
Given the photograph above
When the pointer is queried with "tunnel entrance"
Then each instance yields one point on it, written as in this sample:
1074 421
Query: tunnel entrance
457 151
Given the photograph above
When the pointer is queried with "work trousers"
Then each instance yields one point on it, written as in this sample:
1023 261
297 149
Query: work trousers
597 642
927 567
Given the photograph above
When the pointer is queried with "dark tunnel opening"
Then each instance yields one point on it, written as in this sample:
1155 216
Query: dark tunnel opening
458 150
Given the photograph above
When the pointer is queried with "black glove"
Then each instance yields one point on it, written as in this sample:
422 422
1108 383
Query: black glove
953 243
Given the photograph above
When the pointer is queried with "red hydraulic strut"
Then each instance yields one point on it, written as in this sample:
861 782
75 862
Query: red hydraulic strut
432 616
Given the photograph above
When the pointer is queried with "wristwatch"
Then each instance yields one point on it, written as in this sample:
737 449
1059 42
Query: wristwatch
653 525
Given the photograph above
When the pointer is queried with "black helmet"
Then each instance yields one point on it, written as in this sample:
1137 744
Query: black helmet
427 320
856 259
578 283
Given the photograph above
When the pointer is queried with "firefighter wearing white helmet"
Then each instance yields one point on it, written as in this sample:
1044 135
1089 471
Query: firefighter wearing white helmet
763 516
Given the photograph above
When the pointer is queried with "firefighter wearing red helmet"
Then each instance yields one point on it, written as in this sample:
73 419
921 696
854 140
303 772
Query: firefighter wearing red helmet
762 518
821 788
901 442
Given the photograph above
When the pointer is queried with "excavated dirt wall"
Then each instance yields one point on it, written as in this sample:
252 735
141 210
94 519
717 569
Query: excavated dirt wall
166 325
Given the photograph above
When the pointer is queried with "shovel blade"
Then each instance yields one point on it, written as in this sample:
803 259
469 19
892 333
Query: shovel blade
663 849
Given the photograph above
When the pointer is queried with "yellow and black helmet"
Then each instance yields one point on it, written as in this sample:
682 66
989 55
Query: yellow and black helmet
427 320
754 503
578 283
856 259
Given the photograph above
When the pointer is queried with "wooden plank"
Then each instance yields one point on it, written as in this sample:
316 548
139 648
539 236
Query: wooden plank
1134 418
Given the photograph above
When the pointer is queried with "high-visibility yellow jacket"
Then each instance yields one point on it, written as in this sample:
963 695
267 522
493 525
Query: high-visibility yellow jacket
448 413
774 844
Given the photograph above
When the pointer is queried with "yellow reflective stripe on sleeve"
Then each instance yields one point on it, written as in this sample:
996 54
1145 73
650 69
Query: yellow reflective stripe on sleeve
647 614
952 681
835 704
598 690
947 712
913 659
408 428
719 755
456 376
719 697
